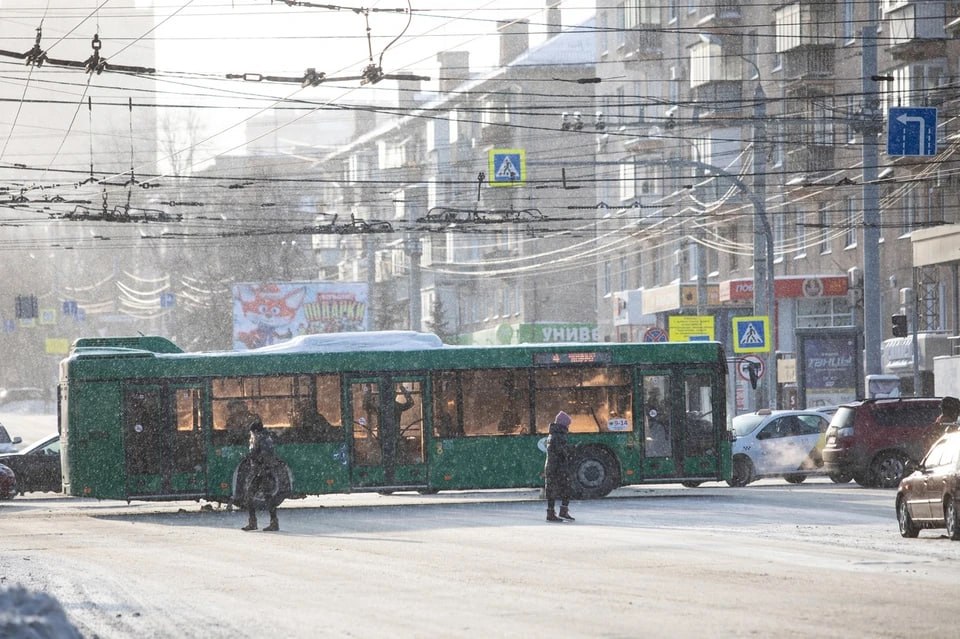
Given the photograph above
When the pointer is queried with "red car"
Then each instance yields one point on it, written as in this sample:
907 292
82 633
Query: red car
928 497
8 483
874 440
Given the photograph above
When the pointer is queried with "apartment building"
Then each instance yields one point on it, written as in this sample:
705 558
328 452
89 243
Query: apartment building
491 195
774 96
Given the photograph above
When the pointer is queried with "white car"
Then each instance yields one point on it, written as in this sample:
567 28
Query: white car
777 443
8 445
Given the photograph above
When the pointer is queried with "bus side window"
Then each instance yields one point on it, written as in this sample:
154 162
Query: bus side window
446 418
495 402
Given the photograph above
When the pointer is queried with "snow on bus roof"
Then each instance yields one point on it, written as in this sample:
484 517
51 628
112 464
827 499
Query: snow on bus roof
359 341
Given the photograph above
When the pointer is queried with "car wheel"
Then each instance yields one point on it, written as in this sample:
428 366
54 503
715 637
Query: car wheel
742 472
595 473
795 478
888 469
691 484
8 483
907 527
840 478
951 515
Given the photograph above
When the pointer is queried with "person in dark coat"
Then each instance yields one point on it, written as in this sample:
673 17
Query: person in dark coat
949 412
263 461
556 470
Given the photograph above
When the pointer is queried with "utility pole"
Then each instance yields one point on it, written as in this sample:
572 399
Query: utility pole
871 126
764 302
415 251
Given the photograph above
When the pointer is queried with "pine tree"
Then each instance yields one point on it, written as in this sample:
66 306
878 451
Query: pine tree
439 325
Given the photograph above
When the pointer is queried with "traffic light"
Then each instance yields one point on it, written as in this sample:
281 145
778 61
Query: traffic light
899 325
26 307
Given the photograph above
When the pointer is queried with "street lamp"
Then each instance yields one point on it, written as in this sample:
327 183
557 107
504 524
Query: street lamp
764 300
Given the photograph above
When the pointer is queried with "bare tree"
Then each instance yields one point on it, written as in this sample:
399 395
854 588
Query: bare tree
179 136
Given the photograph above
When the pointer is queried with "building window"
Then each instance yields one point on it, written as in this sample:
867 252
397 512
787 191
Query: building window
822 312
787 27
778 231
800 235
850 223
851 115
628 180
849 32
648 180
604 32
621 107
607 278
734 235
752 50
706 63
908 210
823 226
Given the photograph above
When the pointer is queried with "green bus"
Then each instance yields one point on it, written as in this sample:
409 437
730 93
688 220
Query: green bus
140 419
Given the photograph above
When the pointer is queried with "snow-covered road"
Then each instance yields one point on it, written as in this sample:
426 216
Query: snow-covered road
771 559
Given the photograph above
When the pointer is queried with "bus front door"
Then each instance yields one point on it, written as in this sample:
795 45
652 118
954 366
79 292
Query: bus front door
387 439
163 441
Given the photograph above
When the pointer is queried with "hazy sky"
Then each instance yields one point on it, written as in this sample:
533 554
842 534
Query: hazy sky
197 42
215 37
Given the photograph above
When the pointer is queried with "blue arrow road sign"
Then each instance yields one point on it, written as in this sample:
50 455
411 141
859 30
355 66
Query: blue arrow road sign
912 131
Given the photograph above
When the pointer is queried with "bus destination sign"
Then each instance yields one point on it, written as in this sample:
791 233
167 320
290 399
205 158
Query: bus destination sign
553 359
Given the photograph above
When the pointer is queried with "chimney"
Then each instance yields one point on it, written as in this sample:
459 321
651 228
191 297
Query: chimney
514 39
408 90
454 69
554 25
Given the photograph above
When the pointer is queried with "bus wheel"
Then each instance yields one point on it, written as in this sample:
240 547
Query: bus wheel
278 486
742 472
595 473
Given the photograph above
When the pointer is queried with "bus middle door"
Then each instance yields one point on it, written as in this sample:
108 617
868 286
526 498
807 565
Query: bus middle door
388 447
163 441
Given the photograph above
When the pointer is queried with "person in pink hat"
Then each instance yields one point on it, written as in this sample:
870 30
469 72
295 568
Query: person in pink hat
556 470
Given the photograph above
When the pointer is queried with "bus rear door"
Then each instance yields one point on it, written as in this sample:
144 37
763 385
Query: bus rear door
163 440
387 438
680 428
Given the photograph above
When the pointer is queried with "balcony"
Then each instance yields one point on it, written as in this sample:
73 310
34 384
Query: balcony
719 98
719 14
814 63
496 133
917 30
645 42
810 158
650 138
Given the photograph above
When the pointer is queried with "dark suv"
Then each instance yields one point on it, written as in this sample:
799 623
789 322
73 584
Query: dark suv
873 440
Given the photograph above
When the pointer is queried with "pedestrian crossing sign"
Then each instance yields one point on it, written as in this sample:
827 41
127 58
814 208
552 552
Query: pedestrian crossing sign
507 167
751 334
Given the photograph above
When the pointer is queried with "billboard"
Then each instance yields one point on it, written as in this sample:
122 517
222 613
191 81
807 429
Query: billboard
830 366
266 313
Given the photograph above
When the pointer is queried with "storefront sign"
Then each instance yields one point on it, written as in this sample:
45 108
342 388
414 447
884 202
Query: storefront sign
788 287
